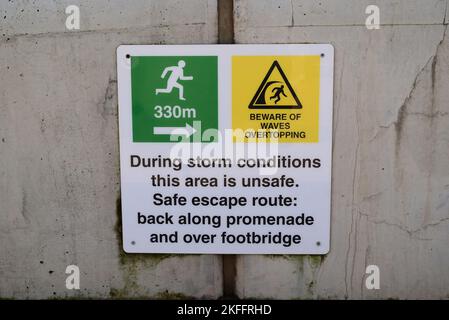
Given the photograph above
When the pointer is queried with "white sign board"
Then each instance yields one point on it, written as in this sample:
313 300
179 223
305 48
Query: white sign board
225 148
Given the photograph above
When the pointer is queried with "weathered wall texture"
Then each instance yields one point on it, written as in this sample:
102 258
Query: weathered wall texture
59 161
59 182
390 183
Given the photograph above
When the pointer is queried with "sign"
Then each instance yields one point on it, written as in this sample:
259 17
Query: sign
225 148
179 89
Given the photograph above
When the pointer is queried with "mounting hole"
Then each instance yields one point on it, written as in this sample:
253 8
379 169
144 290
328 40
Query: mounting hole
322 55
133 242
128 56
318 243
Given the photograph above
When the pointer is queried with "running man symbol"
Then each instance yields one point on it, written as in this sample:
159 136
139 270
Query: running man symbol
177 73
277 93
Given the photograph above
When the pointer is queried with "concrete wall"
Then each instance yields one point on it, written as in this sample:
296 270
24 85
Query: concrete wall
59 173
390 183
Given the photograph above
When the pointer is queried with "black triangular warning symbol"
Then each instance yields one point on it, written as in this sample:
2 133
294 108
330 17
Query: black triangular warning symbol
277 89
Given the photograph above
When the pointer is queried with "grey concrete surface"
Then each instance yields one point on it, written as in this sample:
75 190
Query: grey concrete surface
24 17
59 161
390 183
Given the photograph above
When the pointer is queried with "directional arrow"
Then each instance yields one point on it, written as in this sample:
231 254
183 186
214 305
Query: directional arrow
186 131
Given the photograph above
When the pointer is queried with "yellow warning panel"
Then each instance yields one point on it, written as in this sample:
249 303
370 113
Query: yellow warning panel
276 98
